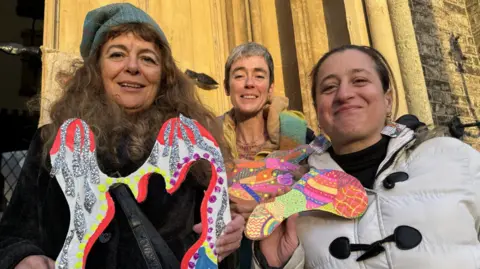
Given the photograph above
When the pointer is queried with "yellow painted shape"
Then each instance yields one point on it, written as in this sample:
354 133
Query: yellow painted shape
102 188
135 193
322 188
248 180
327 208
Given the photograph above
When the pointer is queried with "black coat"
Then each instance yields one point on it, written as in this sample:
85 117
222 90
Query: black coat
37 218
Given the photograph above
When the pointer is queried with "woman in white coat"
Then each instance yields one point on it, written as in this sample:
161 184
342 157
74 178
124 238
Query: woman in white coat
423 188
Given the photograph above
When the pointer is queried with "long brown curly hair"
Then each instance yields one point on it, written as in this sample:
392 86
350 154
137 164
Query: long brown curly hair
84 97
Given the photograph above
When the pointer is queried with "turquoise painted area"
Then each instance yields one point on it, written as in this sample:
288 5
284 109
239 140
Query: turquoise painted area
293 127
204 261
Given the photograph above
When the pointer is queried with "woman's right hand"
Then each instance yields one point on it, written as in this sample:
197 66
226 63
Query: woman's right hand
280 245
242 207
36 262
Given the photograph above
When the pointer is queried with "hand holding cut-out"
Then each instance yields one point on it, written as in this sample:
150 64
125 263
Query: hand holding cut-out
281 244
326 190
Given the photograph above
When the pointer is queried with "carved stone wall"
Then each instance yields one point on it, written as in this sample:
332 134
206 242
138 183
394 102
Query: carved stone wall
453 90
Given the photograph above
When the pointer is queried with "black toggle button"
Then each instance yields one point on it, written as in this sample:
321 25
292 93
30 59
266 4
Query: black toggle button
405 238
390 180
375 249
340 248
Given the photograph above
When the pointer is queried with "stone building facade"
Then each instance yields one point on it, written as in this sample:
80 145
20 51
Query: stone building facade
431 45
448 39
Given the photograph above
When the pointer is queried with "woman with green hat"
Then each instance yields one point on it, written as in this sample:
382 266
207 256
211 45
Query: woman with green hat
126 89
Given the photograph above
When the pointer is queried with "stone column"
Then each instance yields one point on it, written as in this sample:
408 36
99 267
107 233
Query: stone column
357 26
311 41
265 31
382 39
412 72
238 22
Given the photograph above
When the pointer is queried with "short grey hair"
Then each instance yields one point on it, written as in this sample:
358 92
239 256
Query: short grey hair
248 50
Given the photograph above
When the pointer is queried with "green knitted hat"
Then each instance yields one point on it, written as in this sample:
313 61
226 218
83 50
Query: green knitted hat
99 21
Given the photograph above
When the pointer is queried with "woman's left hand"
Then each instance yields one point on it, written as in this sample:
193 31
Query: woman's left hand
232 237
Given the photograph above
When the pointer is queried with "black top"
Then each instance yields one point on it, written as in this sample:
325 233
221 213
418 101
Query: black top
363 164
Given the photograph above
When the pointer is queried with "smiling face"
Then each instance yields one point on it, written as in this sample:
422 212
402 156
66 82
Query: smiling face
131 71
249 85
351 103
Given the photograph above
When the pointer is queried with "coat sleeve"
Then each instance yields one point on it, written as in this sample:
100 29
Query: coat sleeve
472 158
475 172
20 231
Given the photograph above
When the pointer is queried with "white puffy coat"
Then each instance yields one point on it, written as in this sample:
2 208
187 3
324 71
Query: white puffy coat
441 199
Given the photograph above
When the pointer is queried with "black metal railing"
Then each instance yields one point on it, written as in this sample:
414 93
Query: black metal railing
11 164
